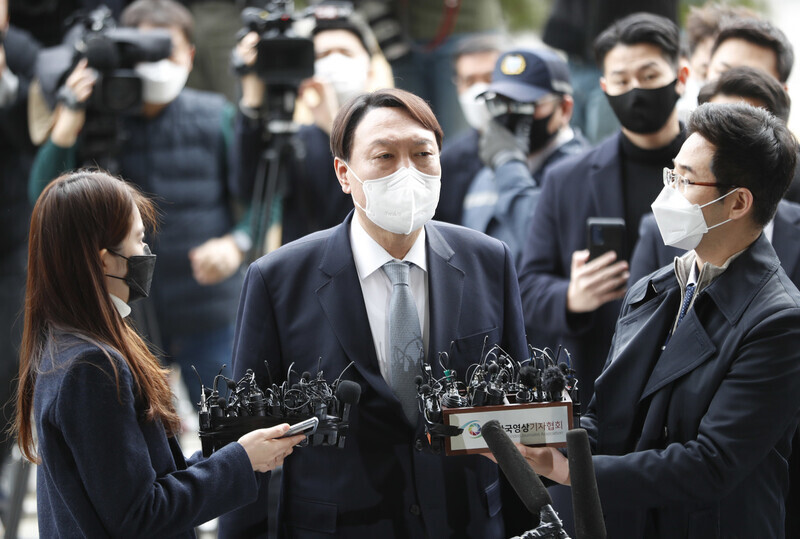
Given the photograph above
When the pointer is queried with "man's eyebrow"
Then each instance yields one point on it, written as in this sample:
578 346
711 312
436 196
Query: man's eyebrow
684 167
388 142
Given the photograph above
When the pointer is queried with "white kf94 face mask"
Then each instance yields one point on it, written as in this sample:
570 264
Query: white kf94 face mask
680 222
401 202
162 81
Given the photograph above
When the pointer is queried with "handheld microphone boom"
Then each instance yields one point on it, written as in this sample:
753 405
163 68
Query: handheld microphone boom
589 523
525 482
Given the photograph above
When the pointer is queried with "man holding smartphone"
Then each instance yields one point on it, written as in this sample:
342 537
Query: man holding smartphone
567 296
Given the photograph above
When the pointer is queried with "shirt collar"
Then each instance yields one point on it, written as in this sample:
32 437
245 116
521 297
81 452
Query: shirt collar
122 308
369 256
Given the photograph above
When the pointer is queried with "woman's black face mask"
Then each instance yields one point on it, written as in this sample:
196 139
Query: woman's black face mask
139 275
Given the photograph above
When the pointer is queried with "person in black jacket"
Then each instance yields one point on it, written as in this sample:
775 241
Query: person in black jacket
95 409
18 52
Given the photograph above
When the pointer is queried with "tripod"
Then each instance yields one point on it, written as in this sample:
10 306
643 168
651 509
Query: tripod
271 172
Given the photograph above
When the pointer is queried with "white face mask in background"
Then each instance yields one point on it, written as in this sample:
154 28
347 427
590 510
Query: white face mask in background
401 202
162 81
473 107
680 222
347 75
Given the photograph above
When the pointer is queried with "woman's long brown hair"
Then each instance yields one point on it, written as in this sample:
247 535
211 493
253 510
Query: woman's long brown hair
77 216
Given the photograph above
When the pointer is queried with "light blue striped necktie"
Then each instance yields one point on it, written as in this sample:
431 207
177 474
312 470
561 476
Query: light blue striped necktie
405 339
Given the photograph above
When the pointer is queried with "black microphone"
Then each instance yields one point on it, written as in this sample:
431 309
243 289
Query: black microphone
589 523
524 481
554 382
348 393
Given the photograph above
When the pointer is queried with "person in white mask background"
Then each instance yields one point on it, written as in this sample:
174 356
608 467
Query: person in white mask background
347 63
327 300
473 64
176 148
693 415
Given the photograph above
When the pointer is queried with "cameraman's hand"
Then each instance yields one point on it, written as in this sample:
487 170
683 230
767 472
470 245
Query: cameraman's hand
595 283
215 260
498 146
69 122
2 60
266 449
320 98
252 86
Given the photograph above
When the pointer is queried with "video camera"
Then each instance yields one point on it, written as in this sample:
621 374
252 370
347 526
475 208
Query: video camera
283 57
112 52
248 407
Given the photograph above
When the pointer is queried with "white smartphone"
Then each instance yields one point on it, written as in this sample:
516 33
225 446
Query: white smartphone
307 427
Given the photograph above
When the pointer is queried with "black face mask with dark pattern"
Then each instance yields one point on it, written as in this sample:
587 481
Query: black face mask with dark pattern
139 275
644 111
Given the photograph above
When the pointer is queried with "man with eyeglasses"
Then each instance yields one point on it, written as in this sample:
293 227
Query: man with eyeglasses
692 419
530 104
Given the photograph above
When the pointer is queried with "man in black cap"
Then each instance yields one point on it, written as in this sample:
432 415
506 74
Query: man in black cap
530 102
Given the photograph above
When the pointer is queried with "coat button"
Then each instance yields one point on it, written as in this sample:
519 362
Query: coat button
418 444
415 510
666 433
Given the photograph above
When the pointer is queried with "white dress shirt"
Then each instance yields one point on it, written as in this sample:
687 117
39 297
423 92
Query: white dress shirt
369 258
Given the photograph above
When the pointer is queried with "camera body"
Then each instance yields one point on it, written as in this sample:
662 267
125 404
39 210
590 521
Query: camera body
284 58
112 52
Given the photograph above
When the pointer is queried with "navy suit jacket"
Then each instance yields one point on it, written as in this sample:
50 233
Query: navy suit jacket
693 441
303 304
106 470
575 188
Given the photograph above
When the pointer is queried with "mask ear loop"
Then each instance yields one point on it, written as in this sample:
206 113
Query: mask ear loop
717 200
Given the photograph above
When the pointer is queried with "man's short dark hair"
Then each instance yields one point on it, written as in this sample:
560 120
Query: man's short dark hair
749 83
752 149
640 28
160 14
705 21
351 114
764 34
480 44
352 23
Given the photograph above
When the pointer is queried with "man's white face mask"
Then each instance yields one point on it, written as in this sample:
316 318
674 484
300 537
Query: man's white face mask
401 202
474 107
680 222
162 81
347 75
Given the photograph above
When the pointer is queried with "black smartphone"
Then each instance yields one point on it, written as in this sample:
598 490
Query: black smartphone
307 427
604 234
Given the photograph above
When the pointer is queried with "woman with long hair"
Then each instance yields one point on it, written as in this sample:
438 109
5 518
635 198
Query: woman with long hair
103 413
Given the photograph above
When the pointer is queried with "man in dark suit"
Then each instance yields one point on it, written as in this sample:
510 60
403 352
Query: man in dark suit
758 88
328 298
693 416
565 295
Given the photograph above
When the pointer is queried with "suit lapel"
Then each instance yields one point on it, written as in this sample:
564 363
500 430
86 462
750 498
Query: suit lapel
343 303
688 348
445 287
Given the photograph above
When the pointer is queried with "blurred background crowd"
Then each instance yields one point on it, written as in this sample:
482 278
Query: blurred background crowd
222 110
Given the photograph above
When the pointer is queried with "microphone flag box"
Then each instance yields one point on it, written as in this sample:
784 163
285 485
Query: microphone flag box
535 424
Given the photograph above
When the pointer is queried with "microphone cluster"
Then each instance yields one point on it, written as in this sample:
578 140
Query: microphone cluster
248 406
497 380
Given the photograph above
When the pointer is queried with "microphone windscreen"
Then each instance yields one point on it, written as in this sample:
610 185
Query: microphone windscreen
348 392
231 384
527 376
520 475
418 380
306 376
493 368
589 523
554 381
